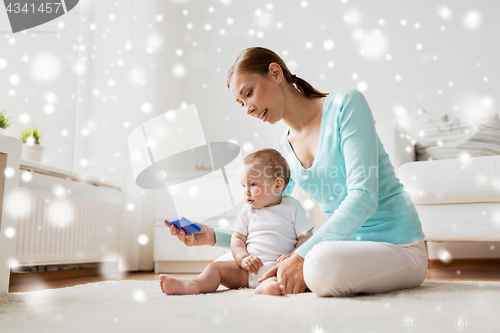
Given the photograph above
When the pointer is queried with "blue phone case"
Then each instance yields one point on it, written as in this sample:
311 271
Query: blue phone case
186 225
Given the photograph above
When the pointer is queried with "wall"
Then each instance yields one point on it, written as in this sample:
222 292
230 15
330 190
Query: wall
37 83
102 94
402 63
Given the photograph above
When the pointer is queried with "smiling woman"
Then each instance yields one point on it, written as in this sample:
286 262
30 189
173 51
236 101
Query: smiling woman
256 60
372 241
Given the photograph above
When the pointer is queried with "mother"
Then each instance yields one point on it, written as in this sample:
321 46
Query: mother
372 241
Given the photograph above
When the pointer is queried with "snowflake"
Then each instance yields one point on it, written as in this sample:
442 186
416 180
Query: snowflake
328 44
48 109
373 46
193 191
24 118
247 147
362 86
146 107
10 232
143 239
353 17
26 176
179 70
45 67
472 20
14 79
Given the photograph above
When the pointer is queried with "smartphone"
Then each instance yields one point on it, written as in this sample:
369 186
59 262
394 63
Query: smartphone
186 225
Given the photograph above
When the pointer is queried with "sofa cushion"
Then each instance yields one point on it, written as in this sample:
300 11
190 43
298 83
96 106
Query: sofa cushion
466 180
460 222
450 136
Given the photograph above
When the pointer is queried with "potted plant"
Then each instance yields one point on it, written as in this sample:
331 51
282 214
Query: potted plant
32 150
4 122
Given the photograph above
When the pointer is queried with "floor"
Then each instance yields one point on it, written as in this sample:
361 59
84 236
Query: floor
459 270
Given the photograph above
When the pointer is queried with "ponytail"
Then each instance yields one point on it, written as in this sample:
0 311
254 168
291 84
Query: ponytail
305 88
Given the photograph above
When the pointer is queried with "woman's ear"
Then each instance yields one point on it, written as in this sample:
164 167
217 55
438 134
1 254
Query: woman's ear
276 72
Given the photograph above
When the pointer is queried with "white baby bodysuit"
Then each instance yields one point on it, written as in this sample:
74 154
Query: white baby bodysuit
271 231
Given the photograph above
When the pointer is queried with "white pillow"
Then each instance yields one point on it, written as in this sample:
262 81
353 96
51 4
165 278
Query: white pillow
450 136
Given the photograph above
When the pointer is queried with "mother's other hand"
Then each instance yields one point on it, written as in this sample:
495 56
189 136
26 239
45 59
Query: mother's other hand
289 273
206 236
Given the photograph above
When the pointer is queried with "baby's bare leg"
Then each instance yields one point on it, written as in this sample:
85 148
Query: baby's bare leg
270 286
227 273
174 286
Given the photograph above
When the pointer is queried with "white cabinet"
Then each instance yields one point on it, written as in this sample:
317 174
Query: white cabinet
10 152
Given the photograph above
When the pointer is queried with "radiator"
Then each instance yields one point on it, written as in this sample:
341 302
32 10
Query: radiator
65 219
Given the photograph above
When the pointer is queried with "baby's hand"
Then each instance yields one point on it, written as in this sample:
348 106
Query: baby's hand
283 257
251 264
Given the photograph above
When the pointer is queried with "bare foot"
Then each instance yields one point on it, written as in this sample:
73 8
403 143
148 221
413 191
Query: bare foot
270 287
173 286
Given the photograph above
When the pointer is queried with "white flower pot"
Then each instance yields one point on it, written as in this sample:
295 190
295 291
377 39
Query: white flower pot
32 152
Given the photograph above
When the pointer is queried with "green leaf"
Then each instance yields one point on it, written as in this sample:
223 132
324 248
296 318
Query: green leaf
31 132
4 121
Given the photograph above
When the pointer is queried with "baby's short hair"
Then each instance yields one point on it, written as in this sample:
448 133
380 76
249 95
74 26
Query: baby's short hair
270 159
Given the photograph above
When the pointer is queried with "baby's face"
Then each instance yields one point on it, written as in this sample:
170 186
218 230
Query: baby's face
259 187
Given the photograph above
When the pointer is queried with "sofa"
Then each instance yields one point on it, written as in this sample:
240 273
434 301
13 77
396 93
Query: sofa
457 199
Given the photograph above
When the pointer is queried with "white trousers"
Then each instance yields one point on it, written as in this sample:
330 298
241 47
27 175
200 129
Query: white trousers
345 268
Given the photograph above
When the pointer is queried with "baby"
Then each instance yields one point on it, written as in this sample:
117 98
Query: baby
268 229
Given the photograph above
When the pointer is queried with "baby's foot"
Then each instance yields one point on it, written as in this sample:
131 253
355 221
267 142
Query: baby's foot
173 286
270 287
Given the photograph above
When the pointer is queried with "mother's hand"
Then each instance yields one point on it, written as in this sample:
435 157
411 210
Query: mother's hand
289 273
206 236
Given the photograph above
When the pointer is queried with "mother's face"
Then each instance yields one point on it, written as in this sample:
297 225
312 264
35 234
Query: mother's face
261 96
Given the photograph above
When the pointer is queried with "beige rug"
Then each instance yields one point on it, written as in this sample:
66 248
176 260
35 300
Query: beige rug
139 306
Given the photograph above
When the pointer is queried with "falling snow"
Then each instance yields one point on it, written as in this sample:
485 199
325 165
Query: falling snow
223 222
309 204
26 176
45 67
472 20
146 107
10 232
445 12
328 44
143 239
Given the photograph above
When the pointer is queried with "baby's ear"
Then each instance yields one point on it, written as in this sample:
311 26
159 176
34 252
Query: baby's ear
279 183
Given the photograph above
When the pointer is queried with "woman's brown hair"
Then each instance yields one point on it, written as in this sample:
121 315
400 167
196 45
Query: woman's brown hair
257 60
